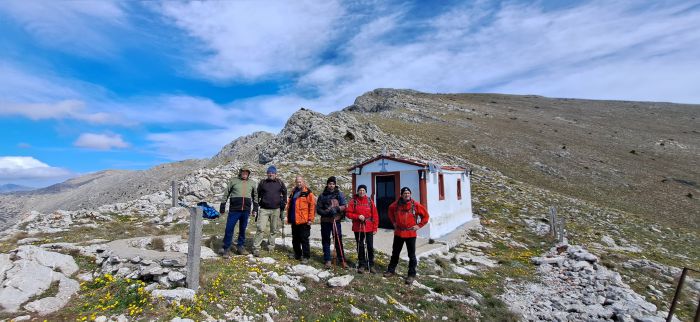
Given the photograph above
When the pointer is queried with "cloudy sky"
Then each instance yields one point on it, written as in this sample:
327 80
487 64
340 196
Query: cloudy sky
92 85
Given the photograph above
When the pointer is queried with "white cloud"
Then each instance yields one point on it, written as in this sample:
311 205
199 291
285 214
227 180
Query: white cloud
247 40
67 109
100 141
601 49
79 27
22 170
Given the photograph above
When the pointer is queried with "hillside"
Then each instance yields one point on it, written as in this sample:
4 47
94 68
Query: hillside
629 231
640 157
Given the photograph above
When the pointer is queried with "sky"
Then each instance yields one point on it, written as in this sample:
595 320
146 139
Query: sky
93 85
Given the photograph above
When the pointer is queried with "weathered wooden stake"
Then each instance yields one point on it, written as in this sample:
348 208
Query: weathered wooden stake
553 221
194 248
173 186
562 229
677 295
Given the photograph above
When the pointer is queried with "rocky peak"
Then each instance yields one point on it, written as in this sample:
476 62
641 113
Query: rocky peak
325 137
382 99
244 148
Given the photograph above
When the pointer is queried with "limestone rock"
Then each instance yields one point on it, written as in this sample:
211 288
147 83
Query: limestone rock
26 279
66 289
340 281
65 263
177 294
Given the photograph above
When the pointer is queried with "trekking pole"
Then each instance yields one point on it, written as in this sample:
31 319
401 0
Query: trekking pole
337 242
365 247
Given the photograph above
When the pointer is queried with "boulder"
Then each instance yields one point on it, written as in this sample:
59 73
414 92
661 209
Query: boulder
66 289
26 279
177 294
65 263
340 281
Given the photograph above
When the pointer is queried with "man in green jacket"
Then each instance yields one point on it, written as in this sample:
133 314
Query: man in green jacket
241 192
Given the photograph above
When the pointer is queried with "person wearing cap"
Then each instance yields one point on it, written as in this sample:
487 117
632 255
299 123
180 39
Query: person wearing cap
301 208
330 206
365 222
407 216
272 198
240 191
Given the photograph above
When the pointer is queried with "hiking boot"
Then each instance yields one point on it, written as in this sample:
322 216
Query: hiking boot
241 251
224 253
292 256
389 274
343 265
372 270
304 260
360 270
270 248
327 264
256 253
410 280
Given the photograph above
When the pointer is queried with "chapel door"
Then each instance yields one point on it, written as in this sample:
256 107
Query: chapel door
385 194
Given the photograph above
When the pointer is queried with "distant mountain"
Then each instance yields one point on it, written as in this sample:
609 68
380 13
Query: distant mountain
11 187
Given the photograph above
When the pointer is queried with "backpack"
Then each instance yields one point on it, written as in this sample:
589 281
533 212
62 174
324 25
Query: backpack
208 212
371 206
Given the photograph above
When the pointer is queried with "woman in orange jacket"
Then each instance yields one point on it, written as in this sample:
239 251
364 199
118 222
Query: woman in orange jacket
407 216
365 221
301 209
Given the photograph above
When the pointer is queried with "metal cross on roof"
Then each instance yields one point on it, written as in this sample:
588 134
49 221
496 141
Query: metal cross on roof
383 163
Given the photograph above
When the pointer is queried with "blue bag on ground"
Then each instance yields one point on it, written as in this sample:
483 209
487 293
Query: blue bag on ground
208 212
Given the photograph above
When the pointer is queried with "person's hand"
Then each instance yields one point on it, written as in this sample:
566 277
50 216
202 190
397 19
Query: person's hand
361 217
333 211
414 228
309 223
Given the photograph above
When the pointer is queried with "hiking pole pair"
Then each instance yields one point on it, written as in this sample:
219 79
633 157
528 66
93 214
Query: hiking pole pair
365 247
337 242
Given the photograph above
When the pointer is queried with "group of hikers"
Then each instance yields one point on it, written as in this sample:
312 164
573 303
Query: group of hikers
269 203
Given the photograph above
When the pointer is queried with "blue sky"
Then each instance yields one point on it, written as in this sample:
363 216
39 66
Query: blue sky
93 85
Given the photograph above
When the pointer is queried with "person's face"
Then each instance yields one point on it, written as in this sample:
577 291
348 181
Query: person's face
299 182
271 175
406 195
244 175
330 185
362 192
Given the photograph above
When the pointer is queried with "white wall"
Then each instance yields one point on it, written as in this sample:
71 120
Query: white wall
447 214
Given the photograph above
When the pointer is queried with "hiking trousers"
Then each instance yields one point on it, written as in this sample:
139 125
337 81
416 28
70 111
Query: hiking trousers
266 217
240 217
396 250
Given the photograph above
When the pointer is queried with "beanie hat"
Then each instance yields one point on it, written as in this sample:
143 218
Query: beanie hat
404 189
331 179
272 169
361 187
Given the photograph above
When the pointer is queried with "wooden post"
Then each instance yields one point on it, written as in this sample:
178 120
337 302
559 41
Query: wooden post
553 221
677 295
194 248
173 186
562 229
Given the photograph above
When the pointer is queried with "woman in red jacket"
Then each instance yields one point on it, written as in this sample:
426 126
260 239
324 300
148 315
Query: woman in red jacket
407 216
365 221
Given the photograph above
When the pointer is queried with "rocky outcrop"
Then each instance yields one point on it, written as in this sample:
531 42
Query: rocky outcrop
382 99
28 272
243 149
575 287
312 137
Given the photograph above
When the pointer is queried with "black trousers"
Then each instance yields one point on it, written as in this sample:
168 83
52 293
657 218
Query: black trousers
300 240
410 247
361 238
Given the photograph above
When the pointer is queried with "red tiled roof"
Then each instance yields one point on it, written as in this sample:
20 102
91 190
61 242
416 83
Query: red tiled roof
403 160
